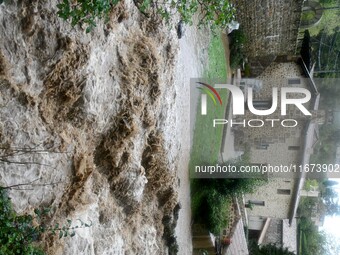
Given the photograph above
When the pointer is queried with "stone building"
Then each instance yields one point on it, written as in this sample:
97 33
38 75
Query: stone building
272 29
274 205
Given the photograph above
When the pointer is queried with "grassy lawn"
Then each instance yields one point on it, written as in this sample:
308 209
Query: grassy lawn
217 63
207 139
207 142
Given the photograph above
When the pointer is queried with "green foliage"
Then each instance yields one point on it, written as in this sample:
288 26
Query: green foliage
313 241
325 53
330 18
329 183
211 198
330 198
18 233
310 184
325 149
329 1
308 15
237 41
214 13
85 11
211 208
268 249
218 211
306 206
247 71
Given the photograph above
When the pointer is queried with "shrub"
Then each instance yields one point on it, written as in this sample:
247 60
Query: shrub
19 233
212 198
268 249
214 13
218 211
85 11
237 40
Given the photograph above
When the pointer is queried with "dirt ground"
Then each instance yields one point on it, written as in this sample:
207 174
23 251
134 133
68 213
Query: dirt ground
98 125
192 57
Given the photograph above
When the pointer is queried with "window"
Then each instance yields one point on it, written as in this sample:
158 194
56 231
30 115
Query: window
261 104
283 191
257 202
262 146
294 81
293 148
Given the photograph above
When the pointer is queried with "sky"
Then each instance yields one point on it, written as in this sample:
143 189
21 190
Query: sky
332 223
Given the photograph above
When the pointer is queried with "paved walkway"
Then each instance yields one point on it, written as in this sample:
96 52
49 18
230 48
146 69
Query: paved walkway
238 244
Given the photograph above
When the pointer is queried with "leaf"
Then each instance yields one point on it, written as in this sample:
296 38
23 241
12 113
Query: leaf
37 212
60 234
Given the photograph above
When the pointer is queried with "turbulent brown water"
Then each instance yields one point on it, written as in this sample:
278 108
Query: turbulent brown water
94 122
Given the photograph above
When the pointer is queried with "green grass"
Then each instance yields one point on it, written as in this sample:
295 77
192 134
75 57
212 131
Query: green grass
217 63
207 139
207 143
329 21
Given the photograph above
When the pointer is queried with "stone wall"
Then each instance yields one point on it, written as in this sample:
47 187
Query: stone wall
271 27
278 140
275 205
269 144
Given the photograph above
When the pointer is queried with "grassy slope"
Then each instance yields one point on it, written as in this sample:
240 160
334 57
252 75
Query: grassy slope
207 139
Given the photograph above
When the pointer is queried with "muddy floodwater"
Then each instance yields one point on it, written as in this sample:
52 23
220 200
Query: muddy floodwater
97 125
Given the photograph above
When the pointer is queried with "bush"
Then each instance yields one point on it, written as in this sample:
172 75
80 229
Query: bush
212 198
17 233
237 40
218 211
85 11
211 208
268 249
214 13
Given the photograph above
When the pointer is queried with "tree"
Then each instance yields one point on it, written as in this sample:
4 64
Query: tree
329 1
331 201
326 54
313 241
269 249
330 183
